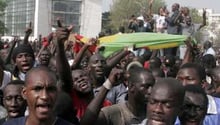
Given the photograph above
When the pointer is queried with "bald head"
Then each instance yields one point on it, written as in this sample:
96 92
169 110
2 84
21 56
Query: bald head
137 73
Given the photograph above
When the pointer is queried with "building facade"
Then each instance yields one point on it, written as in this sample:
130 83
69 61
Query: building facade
85 15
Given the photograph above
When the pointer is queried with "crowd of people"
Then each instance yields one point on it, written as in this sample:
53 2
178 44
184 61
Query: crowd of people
55 81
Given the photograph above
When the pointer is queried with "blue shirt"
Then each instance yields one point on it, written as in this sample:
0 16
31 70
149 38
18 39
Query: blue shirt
22 120
213 113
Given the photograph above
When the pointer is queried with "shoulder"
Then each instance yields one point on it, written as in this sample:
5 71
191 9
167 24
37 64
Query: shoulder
7 73
114 110
212 120
16 121
111 110
2 121
61 121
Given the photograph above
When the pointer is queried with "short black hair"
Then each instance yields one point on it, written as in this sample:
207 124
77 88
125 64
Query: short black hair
174 85
208 61
157 62
159 71
197 89
14 82
37 69
134 73
198 68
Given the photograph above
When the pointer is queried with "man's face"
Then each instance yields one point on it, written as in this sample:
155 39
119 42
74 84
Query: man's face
143 86
44 58
194 109
97 65
81 81
206 45
40 92
84 63
13 101
24 62
188 76
162 107
174 7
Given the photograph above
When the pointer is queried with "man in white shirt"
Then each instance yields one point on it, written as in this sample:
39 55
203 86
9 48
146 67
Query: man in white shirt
208 49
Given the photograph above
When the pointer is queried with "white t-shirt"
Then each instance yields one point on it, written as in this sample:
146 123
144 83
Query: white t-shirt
210 51
6 79
161 24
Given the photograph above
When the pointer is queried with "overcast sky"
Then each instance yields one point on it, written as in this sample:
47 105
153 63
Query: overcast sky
209 4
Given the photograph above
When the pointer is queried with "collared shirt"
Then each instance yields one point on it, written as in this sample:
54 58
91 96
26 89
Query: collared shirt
210 51
3 112
7 76
116 95
120 114
144 122
213 112
21 76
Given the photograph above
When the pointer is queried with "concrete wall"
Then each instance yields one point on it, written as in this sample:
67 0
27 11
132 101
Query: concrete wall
91 18
42 24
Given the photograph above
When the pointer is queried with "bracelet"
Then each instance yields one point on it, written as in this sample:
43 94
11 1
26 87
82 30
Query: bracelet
107 84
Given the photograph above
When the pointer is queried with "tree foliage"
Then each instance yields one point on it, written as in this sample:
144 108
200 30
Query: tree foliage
121 10
196 18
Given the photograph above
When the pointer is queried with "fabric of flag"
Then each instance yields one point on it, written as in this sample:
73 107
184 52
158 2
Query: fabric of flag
149 40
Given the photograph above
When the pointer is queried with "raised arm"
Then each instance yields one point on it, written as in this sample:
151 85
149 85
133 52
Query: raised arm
188 54
82 51
116 58
93 114
203 19
8 58
63 67
27 34
150 7
45 44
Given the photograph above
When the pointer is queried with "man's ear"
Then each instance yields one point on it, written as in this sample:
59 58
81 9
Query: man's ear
213 78
131 87
24 92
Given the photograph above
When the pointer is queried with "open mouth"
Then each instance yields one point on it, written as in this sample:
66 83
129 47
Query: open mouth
44 107
192 120
14 113
157 119
45 60
25 66
100 71
83 85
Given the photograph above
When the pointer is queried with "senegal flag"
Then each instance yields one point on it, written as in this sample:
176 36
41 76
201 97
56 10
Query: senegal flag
149 40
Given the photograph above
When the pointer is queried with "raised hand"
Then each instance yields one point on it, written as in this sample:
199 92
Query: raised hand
62 33
93 41
204 12
115 75
28 31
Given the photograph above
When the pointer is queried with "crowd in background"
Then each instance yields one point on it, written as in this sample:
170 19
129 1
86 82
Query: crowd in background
60 81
